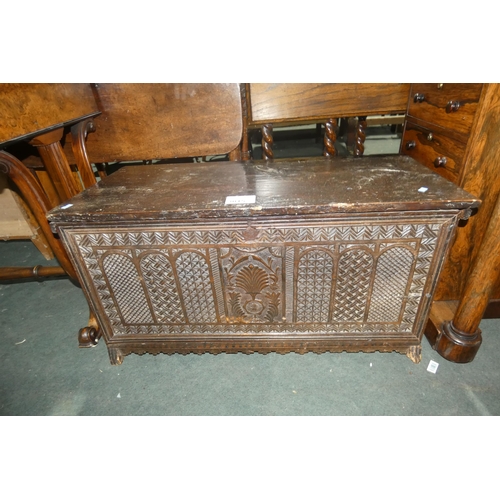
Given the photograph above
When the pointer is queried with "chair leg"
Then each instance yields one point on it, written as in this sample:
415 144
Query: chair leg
79 134
38 203
56 163
89 336
39 272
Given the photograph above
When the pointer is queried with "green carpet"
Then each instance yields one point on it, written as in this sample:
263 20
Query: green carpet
43 372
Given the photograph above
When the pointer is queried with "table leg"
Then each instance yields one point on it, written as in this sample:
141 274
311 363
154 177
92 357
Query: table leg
460 339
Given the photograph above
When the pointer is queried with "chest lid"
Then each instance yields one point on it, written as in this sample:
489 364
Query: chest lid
318 186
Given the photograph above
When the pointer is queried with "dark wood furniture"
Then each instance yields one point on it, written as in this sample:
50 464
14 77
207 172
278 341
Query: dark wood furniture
455 125
454 129
266 105
318 255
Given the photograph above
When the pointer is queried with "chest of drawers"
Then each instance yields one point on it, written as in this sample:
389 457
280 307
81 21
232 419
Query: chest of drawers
439 121
317 255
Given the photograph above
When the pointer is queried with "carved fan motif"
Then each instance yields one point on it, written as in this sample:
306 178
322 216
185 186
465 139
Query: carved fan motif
253 284
253 280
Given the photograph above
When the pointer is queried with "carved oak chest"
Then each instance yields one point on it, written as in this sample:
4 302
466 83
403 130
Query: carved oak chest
315 255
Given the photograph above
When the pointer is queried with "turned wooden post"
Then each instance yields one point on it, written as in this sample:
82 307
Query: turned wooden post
461 337
267 142
56 163
79 133
359 144
330 138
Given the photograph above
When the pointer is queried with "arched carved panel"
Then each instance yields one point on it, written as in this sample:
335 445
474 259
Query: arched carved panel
123 280
392 274
194 279
353 283
314 286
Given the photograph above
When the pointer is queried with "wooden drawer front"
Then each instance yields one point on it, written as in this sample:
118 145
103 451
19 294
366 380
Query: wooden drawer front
435 104
427 146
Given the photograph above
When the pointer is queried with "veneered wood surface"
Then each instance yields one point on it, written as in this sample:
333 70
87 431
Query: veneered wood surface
296 102
145 121
480 177
484 274
27 108
433 107
299 187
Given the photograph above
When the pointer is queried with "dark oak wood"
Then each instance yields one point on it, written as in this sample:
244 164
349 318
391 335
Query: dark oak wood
463 118
333 254
283 187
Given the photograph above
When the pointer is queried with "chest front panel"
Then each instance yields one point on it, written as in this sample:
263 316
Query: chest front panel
331 278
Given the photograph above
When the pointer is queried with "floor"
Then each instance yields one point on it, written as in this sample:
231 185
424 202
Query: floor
43 372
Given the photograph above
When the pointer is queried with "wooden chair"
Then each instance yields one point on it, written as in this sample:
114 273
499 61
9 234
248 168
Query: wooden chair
164 121
266 105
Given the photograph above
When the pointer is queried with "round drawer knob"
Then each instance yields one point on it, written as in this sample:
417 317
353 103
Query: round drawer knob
418 98
411 145
440 161
452 106
440 86
430 137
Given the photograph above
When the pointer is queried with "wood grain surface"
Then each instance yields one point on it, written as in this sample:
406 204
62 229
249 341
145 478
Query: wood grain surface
28 108
146 121
318 186
296 102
